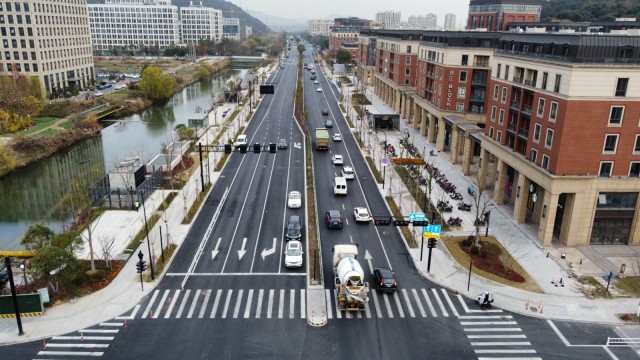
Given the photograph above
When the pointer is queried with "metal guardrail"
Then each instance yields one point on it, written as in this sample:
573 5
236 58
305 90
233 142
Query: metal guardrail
622 341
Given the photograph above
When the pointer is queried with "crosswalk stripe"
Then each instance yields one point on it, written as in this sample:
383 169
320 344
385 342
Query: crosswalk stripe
398 304
327 295
227 300
420 307
492 329
406 300
429 304
161 304
183 303
303 307
467 323
335 297
502 343
247 310
388 305
270 304
216 302
446 297
439 301
281 305
376 303
515 336
259 306
236 311
151 302
205 302
172 302
292 303
194 302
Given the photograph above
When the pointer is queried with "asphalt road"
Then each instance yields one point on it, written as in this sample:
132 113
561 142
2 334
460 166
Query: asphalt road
240 302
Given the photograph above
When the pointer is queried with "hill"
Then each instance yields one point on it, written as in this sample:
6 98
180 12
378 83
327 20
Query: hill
590 10
228 10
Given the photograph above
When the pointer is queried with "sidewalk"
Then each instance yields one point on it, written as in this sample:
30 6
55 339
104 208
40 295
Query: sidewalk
556 302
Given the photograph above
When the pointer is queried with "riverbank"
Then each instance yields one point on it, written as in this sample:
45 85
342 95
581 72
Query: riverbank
30 147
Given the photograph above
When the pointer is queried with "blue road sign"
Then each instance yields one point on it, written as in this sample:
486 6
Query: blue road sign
416 216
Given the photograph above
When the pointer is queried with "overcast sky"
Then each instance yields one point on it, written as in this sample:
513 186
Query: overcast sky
327 9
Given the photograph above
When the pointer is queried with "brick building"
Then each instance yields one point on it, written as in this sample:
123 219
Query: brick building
494 15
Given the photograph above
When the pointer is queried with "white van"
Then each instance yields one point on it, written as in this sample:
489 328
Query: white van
241 140
339 186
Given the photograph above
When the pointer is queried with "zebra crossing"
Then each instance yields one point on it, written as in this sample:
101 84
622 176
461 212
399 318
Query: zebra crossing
86 343
291 304
494 334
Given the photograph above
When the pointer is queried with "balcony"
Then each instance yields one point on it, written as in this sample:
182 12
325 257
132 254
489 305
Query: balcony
512 128
523 133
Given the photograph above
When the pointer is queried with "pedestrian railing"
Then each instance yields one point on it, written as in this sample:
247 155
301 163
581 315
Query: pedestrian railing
622 341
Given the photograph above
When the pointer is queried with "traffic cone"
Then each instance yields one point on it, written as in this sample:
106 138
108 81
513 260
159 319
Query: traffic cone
44 344
125 323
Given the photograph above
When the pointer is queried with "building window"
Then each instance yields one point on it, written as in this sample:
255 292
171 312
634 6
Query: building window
462 91
504 95
491 132
548 142
605 169
556 86
610 143
615 117
634 169
621 86
553 111
501 118
537 129
636 147
463 76
499 136
533 156
545 162
465 60
540 107
493 113
496 91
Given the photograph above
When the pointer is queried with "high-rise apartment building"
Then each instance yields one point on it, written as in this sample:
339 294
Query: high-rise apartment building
134 23
494 15
390 19
449 21
320 27
49 40
198 22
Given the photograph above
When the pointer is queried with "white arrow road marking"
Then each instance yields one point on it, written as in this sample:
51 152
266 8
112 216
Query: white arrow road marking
242 251
216 250
368 257
297 145
271 251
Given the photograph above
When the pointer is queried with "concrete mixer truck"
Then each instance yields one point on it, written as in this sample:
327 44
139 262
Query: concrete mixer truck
351 287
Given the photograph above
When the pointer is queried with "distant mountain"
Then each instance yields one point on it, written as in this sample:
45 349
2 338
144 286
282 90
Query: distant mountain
229 9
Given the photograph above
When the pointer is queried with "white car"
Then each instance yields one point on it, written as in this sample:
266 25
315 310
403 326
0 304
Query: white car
361 214
337 159
294 200
347 173
293 254
319 89
337 137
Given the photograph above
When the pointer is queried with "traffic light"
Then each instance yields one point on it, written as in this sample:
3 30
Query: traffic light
382 220
400 222
432 243
227 148
256 148
272 148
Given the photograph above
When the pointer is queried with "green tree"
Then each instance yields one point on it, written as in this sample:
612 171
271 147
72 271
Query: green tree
343 57
155 85
37 237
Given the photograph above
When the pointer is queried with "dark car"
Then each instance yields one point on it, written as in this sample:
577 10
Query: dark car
334 219
282 144
294 228
325 112
385 279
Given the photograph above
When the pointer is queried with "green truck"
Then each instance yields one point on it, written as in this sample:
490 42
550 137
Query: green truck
322 139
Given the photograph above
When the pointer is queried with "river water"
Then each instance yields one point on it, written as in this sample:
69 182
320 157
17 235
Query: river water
35 194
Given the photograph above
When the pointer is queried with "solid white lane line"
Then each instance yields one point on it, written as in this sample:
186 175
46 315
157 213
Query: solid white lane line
374 295
439 301
194 302
420 307
303 306
236 310
205 302
227 300
150 305
247 309
259 306
172 303
216 302
327 295
183 303
406 300
398 304
429 304
453 308
270 304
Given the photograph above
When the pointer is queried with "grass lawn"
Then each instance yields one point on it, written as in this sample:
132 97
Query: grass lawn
453 245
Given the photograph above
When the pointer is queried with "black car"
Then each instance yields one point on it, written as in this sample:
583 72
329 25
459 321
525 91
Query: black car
385 279
294 228
334 219
325 112
282 144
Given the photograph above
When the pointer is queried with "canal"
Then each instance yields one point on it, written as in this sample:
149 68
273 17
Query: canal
36 194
